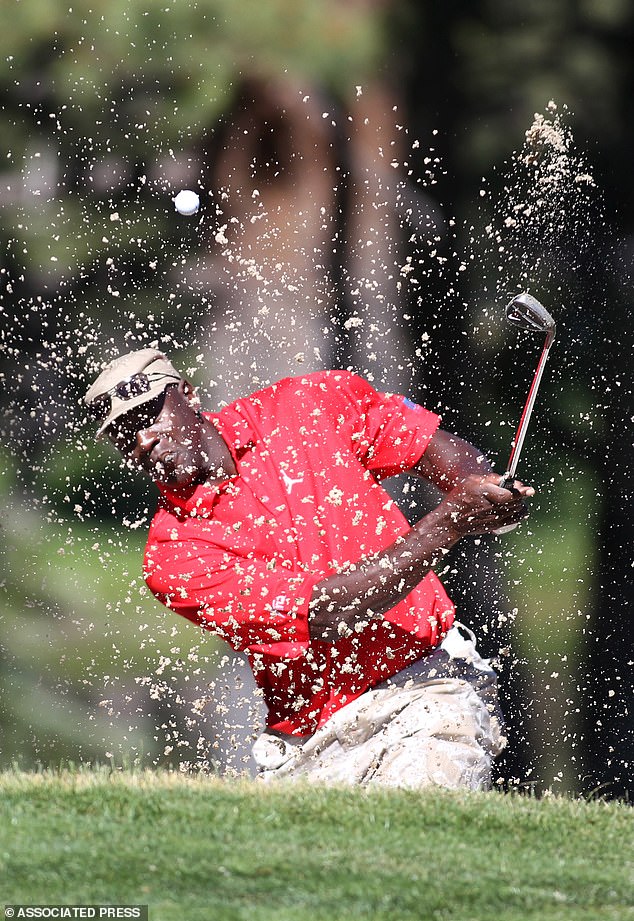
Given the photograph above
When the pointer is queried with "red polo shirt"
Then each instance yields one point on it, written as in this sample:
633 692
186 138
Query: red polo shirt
242 558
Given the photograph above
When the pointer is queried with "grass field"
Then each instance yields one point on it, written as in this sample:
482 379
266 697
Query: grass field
201 849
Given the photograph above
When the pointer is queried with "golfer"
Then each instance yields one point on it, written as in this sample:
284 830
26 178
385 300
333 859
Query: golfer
274 532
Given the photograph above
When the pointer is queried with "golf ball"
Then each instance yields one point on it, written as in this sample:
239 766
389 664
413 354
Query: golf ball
187 202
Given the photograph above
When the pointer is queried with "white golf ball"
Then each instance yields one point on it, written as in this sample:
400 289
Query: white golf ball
187 202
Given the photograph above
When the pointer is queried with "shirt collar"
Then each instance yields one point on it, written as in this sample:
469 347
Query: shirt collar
235 429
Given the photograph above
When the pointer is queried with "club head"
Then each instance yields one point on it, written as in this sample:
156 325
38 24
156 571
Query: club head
526 312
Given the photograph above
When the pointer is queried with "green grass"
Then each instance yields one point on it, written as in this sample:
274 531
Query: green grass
201 849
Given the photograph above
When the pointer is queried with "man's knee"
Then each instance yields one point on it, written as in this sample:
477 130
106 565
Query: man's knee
434 763
436 733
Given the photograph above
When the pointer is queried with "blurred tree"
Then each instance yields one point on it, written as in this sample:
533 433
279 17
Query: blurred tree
101 108
491 66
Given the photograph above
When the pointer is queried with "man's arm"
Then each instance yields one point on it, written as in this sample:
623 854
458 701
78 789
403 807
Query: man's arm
448 460
474 503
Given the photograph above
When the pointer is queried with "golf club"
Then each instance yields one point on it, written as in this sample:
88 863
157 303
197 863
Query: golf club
526 312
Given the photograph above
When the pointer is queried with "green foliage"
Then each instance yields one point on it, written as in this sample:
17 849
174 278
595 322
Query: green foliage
170 67
81 640
94 93
512 59
197 848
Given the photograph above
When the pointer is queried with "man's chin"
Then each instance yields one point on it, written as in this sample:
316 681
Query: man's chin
177 478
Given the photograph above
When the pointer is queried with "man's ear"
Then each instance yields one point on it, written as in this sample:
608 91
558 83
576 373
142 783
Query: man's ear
190 393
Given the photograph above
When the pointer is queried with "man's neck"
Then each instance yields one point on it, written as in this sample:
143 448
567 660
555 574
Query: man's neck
220 465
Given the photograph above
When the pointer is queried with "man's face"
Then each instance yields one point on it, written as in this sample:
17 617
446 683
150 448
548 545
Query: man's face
162 437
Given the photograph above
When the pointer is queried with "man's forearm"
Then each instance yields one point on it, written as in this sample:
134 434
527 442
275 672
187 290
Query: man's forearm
449 460
377 583
374 585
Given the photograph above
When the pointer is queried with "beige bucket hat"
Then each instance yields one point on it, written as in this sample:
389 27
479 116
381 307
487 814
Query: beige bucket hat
127 382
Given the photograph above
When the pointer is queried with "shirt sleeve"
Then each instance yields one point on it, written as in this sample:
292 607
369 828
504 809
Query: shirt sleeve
252 607
392 431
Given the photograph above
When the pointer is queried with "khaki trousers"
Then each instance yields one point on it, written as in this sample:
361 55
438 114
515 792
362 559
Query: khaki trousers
433 725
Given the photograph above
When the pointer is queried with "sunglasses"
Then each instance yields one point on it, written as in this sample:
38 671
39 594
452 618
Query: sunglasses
127 389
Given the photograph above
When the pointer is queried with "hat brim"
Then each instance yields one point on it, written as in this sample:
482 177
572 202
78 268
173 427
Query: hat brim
123 407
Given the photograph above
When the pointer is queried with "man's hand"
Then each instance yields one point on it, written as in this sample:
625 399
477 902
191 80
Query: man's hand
479 505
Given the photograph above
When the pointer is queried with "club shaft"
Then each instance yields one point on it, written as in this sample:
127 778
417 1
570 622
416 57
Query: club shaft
528 409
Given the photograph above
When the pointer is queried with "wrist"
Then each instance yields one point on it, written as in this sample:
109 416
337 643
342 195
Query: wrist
443 524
